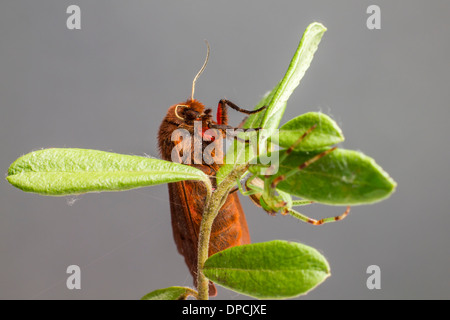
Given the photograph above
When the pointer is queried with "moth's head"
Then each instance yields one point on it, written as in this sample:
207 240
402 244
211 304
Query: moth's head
186 112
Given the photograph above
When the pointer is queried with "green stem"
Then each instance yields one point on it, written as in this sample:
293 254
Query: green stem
213 203
189 292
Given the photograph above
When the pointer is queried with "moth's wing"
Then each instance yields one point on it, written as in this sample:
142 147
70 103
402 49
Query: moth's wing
245 237
186 207
230 226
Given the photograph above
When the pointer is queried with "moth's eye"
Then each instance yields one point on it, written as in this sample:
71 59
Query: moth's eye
191 114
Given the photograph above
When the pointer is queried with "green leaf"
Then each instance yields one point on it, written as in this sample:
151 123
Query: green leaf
73 171
297 68
276 100
326 132
241 154
343 177
170 293
255 120
270 270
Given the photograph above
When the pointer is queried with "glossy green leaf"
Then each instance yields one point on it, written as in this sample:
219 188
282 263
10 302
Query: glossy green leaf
297 68
270 270
171 293
343 177
240 155
276 100
326 132
73 171
255 120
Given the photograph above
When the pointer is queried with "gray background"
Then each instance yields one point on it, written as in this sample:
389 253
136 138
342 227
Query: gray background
108 86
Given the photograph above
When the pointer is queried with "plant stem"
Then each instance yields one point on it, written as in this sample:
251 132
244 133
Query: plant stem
188 293
213 204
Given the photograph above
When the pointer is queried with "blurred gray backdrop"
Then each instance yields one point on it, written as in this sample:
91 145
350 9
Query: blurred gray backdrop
108 86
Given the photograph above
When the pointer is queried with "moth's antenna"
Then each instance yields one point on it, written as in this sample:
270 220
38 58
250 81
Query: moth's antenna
201 70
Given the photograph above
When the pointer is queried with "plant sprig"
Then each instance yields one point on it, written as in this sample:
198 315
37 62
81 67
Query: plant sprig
275 269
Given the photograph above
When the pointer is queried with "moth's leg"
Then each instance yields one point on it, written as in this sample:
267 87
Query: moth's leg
222 114
223 128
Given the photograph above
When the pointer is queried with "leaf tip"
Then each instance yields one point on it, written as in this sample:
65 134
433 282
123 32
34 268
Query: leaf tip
319 26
